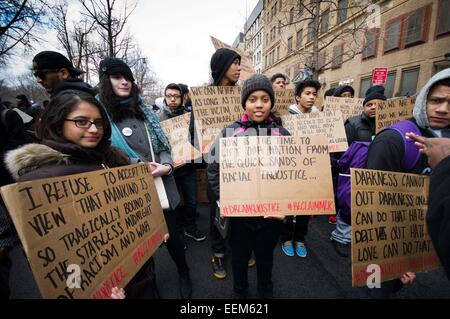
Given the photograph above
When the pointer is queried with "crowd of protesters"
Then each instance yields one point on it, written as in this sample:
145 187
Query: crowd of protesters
82 129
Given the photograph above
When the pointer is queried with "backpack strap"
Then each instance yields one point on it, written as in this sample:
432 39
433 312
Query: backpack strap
412 154
238 131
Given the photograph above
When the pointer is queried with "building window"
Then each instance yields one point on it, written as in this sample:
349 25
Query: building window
408 82
291 15
334 85
393 30
337 56
416 27
390 84
278 53
342 10
324 22
299 38
300 8
322 60
443 21
370 43
290 45
364 85
310 31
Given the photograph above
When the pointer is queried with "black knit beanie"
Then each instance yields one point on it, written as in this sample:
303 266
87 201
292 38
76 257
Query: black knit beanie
254 83
114 66
375 93
220 62
344 88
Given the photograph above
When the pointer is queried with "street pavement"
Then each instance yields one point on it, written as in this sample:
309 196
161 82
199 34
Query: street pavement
322 274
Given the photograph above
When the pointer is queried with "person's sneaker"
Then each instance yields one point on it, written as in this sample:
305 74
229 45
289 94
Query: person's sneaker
288 248
195 235
341 249
251 262
332 220
300 249
218 267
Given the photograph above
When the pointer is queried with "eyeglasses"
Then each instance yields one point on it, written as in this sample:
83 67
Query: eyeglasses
43 72
83 123
168 96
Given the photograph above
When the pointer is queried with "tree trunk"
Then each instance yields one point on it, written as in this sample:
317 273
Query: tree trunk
315 62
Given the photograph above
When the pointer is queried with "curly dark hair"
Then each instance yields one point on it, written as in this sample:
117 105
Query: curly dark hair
304 84
111 101
51 121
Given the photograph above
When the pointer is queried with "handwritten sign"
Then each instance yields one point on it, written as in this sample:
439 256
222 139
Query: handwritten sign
84 234
262 176
348 106
392 111
177 131
247 69
283 99
214 107
388 224
328 123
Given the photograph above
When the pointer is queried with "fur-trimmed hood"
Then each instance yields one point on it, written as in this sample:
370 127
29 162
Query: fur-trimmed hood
30 157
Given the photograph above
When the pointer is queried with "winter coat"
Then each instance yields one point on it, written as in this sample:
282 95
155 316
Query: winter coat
438 216
119 140
52 159
359 128
73 84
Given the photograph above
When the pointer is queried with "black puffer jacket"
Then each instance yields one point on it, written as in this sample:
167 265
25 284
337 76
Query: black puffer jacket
438 216
359 128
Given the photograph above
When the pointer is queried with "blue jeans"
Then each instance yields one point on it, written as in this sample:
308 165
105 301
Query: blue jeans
343 232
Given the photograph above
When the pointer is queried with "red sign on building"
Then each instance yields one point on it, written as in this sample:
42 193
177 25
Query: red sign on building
379 76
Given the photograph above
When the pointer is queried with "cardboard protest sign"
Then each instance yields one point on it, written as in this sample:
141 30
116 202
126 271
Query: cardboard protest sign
247 69
274 175
328 123
214 107
348 106
392 111
84 234
283 99
177 131
388 224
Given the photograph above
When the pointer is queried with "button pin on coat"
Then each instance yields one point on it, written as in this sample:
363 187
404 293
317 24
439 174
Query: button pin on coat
127 131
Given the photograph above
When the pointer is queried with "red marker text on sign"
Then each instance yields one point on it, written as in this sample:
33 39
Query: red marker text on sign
115 280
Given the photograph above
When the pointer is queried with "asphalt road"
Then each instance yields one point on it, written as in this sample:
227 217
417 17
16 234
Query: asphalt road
323 274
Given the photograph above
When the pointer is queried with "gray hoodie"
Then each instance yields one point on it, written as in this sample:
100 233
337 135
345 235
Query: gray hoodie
420 108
